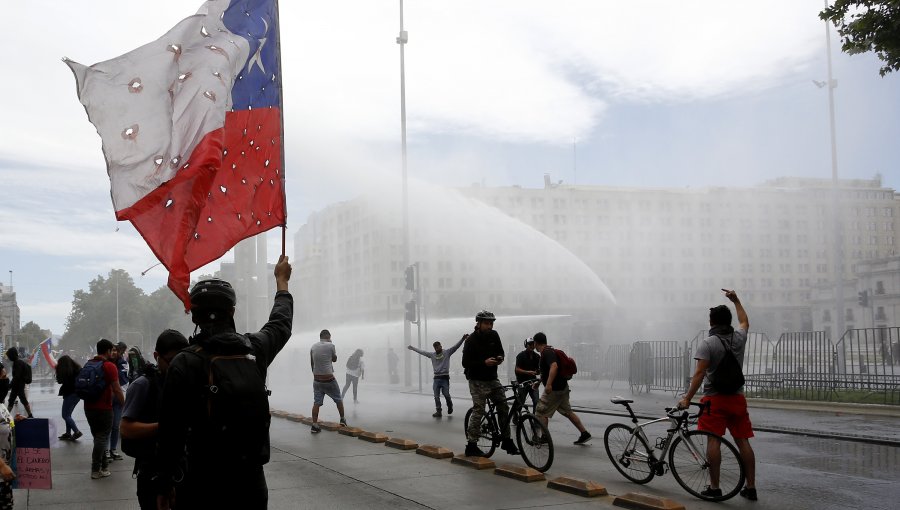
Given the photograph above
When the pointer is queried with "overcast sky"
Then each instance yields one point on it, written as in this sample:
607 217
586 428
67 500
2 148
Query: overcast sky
642 93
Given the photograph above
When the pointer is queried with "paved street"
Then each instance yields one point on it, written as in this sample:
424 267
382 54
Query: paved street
329 470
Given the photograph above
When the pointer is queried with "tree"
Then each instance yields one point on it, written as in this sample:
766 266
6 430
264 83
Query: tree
31 335
94 314
868 25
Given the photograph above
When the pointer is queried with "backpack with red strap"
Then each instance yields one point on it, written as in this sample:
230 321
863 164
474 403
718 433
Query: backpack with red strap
566 366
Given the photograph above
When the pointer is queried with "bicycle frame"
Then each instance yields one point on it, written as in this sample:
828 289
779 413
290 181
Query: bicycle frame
678 427
516 408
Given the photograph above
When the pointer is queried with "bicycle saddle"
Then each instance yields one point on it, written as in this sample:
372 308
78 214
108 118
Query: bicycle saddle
620 400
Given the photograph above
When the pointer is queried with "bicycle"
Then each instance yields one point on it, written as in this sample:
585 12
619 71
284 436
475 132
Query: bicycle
628 449
532 436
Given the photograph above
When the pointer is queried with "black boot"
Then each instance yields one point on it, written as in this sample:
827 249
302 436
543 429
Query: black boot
472 450
509 446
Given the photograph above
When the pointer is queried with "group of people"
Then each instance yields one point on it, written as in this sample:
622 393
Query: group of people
197 422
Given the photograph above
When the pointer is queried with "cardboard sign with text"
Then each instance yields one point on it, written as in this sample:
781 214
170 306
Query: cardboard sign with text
33 454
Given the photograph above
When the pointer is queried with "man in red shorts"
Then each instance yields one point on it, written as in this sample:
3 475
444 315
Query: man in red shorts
725 410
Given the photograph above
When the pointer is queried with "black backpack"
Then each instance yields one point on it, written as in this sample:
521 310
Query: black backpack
26 372
729 377
237 406
90 383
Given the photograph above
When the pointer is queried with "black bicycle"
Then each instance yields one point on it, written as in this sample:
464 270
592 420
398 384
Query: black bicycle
532 437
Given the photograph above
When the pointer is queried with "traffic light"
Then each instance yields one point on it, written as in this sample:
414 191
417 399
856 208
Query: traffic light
411 310
863 298
411 278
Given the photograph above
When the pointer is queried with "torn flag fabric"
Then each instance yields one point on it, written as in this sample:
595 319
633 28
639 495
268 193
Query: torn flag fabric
191 127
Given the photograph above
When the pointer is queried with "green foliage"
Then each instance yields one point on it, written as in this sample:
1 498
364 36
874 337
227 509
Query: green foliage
142 317
30 335
868 25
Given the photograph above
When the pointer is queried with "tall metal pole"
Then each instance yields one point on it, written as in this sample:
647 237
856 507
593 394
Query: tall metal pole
838 231
407 330
117 307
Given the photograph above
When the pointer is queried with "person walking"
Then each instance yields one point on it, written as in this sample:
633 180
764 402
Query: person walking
724 411
322 356
17 386
140 416
66 371
214 416
119 352
356 370
440 363
528 367
482 353
556 389
99 412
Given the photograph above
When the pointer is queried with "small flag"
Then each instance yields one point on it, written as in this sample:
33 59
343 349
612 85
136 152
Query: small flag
191 126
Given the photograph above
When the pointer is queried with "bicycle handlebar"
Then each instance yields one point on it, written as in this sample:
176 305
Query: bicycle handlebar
674 412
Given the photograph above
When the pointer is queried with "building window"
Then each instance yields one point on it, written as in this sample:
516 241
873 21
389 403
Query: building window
848 315
879 287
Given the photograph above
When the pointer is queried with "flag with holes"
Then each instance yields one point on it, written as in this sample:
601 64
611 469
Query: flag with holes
191 129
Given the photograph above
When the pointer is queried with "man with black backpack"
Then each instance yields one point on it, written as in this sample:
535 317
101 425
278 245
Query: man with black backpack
556 387
98 384
719 359
140 415
215 407
21 377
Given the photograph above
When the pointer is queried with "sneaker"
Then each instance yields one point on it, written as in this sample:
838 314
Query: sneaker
583 438
114 455
709 492
449 408
343 422
437 414
103 473
107 455
509 447
315 429
76 435
65 437
472 450
749 493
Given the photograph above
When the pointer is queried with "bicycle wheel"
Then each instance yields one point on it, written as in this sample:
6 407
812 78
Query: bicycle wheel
535 443
628 452
690 467
486 433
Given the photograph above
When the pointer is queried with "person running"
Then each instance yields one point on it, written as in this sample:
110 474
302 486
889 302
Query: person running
440 361
356 370
482 353
66 371
322 356
725 411
220 430
528 367
99 412
556 390
17 386
140 416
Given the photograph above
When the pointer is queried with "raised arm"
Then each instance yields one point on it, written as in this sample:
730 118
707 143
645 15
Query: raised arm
743 320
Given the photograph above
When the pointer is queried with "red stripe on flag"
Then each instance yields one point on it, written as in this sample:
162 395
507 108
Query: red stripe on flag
230 189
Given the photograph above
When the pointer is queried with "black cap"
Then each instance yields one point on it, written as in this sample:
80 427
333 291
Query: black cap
170 340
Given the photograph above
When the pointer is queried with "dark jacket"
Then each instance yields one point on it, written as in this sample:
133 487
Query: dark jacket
480 346
184 404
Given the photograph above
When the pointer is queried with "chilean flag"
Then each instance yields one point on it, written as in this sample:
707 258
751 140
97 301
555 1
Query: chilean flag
191 128
44 350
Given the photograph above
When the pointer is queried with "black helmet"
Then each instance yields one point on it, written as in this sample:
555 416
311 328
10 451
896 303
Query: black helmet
213 293
485 315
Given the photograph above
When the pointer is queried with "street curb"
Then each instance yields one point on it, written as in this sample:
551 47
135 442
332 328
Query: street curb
826 407
641 501
584 488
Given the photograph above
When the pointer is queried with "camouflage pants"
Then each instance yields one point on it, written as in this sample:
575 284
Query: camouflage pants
482 391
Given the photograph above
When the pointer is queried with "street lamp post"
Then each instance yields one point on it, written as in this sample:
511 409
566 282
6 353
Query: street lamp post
402 39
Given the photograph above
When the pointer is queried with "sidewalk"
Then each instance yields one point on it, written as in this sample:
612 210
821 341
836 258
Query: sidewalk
327 470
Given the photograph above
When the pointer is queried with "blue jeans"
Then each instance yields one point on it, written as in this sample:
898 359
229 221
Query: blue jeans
441 386
69 403
117 417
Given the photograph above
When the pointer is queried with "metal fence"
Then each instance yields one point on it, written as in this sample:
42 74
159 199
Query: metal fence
863 366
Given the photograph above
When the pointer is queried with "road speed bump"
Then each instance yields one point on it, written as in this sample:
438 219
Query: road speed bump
523 474
350 431
641 501
577 486
372 437
330 425
401 444
435 452
474 462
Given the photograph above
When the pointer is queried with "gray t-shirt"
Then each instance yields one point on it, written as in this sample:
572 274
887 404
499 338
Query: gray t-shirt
712 349
322 353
